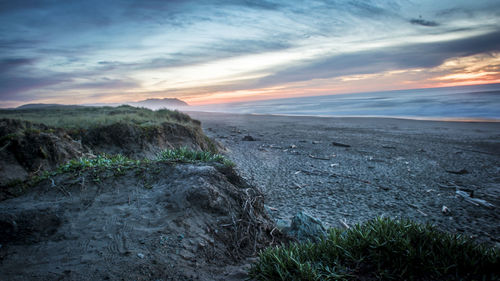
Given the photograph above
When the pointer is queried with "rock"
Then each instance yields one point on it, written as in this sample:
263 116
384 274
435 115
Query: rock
445 210
459 172
140 255
340 144
282 225
306 228
248 138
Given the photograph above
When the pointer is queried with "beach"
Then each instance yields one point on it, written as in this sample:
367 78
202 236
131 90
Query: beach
345 171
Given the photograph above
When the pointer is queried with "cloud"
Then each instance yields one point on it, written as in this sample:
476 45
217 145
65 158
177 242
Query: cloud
9 64
17 44
423 22
17 88
54 47
14 78
424 55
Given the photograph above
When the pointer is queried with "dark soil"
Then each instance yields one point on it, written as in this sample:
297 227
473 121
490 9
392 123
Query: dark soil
162 221
28 148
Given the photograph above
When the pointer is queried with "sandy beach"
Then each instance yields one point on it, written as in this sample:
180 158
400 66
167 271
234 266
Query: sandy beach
345 171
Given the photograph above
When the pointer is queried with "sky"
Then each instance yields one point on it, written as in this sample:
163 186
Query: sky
206 52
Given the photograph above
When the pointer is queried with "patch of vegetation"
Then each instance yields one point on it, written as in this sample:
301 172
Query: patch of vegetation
381 249
8 137
185 154
85 117
118 164
103 161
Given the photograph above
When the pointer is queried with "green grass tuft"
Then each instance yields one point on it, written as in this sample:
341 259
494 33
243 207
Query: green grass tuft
381 249
185 154
101 161
118 164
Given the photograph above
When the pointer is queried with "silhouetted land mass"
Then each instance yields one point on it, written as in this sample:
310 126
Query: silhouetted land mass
165 103
46 106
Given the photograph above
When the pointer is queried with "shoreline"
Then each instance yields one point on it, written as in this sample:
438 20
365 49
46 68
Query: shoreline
435 119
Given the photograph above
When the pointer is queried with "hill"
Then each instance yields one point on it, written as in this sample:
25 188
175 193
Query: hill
154 104
45 106
104 193
34 140
160 103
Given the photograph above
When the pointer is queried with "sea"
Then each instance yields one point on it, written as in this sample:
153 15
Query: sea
462 103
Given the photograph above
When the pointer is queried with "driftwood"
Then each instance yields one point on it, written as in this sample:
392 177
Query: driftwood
340 144
344 223
459 172
424 214
317 157
467 195
298 186
388 147
474 201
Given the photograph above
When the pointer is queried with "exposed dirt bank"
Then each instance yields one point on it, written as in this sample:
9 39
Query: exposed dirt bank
162 221
27 148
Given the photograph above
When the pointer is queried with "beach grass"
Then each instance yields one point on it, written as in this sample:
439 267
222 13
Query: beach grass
119 163
85 117
381 249
185 154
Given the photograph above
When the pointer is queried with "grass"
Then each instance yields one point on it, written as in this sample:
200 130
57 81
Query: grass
118 164
88 117
381 249
102 161
187 155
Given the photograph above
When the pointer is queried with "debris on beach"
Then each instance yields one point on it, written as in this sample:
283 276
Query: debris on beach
445 210
298 186
474 201
340 144
459 172
318 157
248 138
388 147
344 223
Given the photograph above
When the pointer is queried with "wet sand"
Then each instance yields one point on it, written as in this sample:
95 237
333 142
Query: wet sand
349 170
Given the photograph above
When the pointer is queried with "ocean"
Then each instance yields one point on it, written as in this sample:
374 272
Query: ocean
479 102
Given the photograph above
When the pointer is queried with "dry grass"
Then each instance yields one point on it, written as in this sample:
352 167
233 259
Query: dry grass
80 117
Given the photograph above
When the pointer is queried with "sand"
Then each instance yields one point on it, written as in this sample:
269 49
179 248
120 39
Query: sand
389 167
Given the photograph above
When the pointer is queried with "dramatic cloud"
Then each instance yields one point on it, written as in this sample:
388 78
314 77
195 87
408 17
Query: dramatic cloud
91 51
424 55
